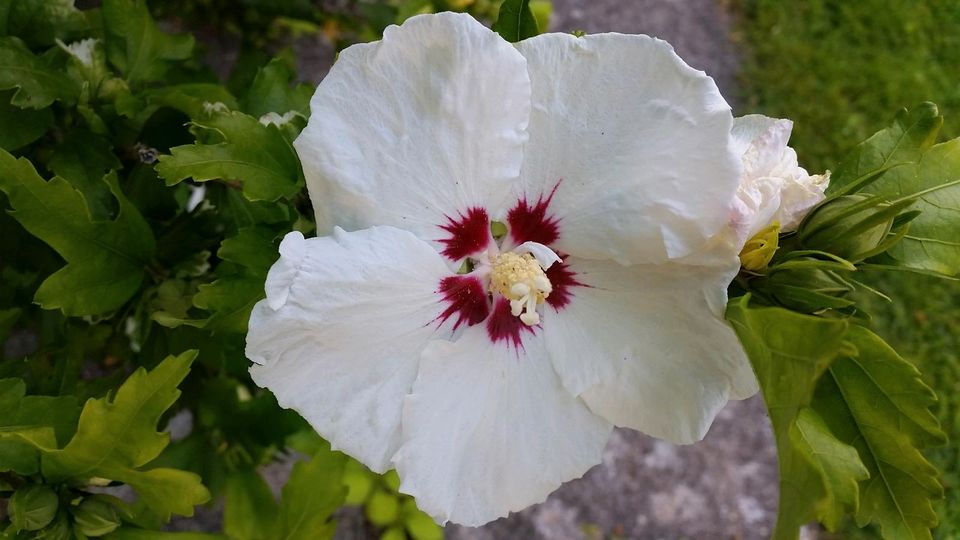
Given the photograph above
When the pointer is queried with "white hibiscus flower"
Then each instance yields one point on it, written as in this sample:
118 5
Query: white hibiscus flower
774 187
607 160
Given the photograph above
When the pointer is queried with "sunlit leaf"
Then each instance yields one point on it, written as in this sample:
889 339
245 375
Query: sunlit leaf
117 435
818 472
875 401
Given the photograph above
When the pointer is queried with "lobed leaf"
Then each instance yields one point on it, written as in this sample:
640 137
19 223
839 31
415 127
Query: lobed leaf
105 258
818 472
932 243
311 495
252 153
37 80
117 435
136 46
875 401
913 132
30 423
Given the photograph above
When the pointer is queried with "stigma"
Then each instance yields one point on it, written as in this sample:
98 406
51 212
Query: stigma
521 279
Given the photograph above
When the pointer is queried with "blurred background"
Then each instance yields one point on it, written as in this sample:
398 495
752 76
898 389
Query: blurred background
839 69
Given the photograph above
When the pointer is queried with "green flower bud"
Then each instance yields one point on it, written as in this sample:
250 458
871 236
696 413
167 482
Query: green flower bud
807 290
851 227
33 507
58 530
95 517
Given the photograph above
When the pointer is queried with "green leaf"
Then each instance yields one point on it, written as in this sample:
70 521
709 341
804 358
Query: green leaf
311 495
37 79
911 134
515 21
875 401
20 127
932 243
33 507
254 154
133 533
818 472
250 511
105 259
136 46
115 437
83 159
191 99
40 22
30 424
273 90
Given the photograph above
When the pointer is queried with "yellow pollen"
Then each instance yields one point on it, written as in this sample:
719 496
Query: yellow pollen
519 278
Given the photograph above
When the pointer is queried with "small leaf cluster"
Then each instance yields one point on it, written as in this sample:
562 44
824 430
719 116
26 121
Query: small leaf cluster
851 417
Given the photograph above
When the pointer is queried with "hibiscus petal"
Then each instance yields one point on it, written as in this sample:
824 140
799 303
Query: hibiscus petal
421 129
646 346
489 429
636 143
339 336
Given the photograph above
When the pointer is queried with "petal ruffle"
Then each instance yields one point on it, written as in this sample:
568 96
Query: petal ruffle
339 336
489 429
636 142
419 129
646 347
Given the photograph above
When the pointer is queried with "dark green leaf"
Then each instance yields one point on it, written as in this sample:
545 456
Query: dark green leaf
105 259
875 401
37 79
40 22
136 46
83 159
818 472
20 127
515 21
273 90
191 99
254 154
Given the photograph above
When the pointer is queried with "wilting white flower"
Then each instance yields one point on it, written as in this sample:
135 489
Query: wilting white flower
606 158
774 187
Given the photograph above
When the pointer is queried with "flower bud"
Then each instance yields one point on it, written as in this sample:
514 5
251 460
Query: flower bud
757 252
851 226
33 507
807 290
95 517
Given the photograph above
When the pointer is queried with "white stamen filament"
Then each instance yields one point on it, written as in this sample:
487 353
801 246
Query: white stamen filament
520 278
